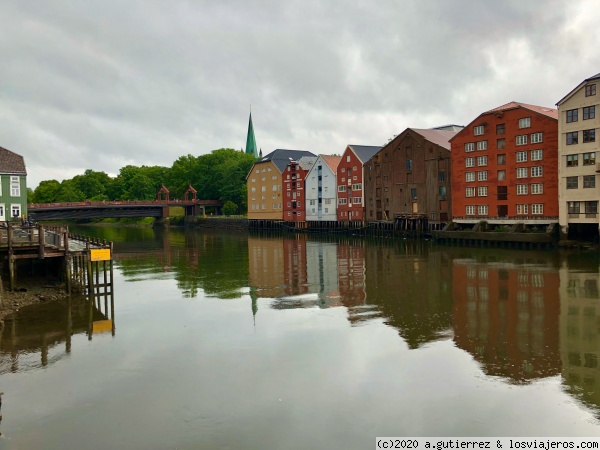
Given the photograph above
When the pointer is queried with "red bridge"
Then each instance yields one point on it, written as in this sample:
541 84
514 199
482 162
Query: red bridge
115 209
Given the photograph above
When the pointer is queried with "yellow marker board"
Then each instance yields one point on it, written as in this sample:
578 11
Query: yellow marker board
102 326
100 254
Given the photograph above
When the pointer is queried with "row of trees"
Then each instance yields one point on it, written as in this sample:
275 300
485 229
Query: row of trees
220 175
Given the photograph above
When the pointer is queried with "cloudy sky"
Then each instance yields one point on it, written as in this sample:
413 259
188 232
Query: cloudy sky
102 84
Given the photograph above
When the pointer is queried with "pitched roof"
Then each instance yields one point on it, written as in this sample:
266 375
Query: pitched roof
364 152
595 77
282 157
306 162
438 137
332 161
550 112
11 163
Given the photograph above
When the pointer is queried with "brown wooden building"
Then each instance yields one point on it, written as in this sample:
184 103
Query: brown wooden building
411 176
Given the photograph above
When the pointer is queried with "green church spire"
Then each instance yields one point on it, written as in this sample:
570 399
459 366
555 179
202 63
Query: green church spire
250 140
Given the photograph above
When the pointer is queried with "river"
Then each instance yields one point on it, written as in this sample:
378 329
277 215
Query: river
226 340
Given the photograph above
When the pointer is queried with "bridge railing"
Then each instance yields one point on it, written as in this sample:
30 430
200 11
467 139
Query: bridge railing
109 203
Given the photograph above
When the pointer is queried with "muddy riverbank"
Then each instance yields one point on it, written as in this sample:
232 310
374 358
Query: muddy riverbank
31 292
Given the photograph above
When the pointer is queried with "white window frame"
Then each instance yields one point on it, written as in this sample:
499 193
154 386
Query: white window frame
525 122
537 155
522 172
470 192
470 210
15 207
536 138
482 175
470 147
15 186
357 200
357 187
521 156
469 162
342 201
469 176
522 210
537 209
537 188
537 171
482 160
482 210
521 139
522 189
481 145
478 130
482 191
342 188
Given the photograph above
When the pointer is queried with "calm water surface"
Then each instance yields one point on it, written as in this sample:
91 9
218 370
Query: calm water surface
230 341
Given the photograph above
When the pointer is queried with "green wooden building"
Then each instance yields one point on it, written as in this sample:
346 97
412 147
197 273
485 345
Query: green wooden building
13 186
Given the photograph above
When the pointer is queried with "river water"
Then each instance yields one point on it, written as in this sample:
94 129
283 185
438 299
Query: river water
235 341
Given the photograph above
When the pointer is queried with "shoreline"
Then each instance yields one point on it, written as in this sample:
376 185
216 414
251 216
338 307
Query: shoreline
38 291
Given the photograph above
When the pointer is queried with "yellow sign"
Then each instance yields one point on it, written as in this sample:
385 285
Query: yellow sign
102 326
100 254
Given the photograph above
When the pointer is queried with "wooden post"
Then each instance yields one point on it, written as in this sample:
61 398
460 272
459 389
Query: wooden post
112 292
42 239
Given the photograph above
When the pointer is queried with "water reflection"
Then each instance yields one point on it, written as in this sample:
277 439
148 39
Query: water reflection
522 315
34 336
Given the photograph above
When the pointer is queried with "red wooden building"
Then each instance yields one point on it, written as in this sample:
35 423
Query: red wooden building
505 167
294 197
350 176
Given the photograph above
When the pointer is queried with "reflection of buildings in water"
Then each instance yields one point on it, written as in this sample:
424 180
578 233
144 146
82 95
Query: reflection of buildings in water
506 316
411 287
294 265
580 334
43 327
265 266
351 273
322 272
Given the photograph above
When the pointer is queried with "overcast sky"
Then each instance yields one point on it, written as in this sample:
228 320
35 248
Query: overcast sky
102 84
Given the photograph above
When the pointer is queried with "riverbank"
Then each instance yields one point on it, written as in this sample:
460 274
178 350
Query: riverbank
33 291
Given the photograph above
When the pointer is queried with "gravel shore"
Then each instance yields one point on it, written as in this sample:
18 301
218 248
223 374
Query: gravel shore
31 292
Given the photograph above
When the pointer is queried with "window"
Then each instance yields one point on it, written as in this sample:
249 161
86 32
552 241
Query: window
572 115
536 138
356 200
482 176
357 187
478 130
342 188
343 168
442 191
589 112
572 160
501 144
470 210
573 207
263 189
482 191
347 159
312 202
521 189
525 122
501 159
590 89
537 171
591 207
572 138
470 176
522 209
470 162
501 175
521 140
470 192
413 193
327 201
502 193
521 156
536 155
537 208
341 201
537 188
589 181
483 210
409 165
589 159
469 147
522 172
354 168
442 177
482 160
15 188
482 145
15 210
572 182
589 135
500 128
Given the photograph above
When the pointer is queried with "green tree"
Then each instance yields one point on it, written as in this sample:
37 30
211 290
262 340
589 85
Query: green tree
229 208
47 192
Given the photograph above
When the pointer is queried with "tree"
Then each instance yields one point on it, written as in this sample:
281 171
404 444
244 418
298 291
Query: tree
229 208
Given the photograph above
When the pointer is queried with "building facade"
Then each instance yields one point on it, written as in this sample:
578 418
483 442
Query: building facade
410 175
350 176
264 194
13 186
504 167
577 148
294 181
321 189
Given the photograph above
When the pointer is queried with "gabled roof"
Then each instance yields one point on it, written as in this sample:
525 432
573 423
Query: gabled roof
332 161
579 86
306 162
435 136
364 152
11 163
282 157
550 112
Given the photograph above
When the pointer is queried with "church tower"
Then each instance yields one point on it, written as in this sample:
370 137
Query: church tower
251 140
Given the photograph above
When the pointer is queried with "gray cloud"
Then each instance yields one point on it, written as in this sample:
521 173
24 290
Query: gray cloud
104 84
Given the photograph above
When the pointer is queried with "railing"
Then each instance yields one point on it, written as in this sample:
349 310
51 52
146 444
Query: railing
124 202
519 217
